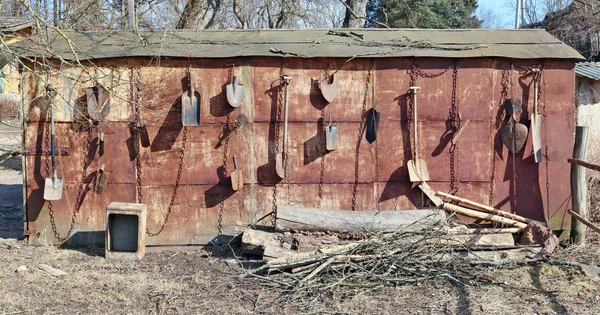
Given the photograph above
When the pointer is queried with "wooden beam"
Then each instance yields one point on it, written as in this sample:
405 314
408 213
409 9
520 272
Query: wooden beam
584 221
579 183
482 216
485 208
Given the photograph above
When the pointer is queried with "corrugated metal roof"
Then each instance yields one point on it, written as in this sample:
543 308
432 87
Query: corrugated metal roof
14 23
588 69
308 43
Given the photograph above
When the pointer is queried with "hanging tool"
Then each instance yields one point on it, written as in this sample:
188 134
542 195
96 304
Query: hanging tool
98 102
329 90
53 186
372 120
280 159
235 92
101 144
240 122
101 179
536 120
513 133
143 132
237 180
417 167
190 105
331 136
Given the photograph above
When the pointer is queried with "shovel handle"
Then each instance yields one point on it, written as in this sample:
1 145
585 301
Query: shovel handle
235 162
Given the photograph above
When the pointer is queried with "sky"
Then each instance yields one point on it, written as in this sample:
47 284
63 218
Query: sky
502 10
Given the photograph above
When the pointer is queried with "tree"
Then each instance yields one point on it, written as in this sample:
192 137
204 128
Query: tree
355 13
425 13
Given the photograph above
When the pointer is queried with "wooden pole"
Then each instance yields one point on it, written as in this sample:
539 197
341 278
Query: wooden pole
482 216
485 208
584 221
584 164
579 185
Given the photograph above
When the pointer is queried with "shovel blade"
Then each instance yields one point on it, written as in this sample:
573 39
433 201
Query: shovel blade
235 93
329 90
53 188
331 138
190 108
536 135
514 140
279 167
237 181
417 170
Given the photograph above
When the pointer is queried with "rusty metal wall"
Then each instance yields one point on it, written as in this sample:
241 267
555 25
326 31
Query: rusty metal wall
204 197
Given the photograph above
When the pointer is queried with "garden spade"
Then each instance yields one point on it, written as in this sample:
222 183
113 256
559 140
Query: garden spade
329 90
280 159
98 102
190 105
235 92
53 186
237 180
536 121
240 122
101 179
513 134
417 167
331 136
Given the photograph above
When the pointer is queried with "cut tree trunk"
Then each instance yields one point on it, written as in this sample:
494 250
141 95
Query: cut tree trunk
345 221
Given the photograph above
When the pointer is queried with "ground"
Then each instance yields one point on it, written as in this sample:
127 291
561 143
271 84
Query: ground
199 281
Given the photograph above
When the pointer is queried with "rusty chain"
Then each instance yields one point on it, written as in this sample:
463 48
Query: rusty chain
276 139
545 126
361 130
179 167
136 97
322 170
455 120
494 127
222 202
514 154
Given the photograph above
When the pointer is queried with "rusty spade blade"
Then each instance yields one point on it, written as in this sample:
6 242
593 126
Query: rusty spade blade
101 179
240 122
97 102
237 180
513 134
329 90
235 92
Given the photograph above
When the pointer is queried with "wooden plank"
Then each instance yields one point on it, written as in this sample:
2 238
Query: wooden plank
482 216
265 244
344 221
430 194
584 164
584 221
467 231
485 208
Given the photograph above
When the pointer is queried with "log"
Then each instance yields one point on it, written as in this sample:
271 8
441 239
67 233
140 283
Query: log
584 221
345 221
264 244
467 231
578 183
485 208
482 216
475 241
430 194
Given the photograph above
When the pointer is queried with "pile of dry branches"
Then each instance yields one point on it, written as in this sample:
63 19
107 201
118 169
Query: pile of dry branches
379 260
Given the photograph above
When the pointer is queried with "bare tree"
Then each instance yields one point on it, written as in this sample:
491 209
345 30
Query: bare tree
199 14
356 11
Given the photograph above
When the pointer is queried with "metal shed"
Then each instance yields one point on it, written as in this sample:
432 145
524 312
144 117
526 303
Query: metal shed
183 175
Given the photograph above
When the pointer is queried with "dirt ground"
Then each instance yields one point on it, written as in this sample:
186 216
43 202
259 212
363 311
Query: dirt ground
199 281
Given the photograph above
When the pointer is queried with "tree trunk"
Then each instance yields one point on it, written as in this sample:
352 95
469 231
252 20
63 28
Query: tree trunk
131 15
356 10
198 14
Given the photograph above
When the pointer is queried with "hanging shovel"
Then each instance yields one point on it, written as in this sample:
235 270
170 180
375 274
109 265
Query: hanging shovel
417 167
372 124
329 90
190 105
331 136
240 122
513 134
101 144
97 102
235 92
143 133
280 159
101 179
237 180
536 121
53 186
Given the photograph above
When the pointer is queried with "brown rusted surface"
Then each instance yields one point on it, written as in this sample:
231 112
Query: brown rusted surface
382 175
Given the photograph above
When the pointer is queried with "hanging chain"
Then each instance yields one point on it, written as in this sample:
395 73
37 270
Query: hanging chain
494 127
230 72
222 203
514 154
276 139
545 126
175 187
361 129
179 167
136 88
80 190
454 118
322 170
